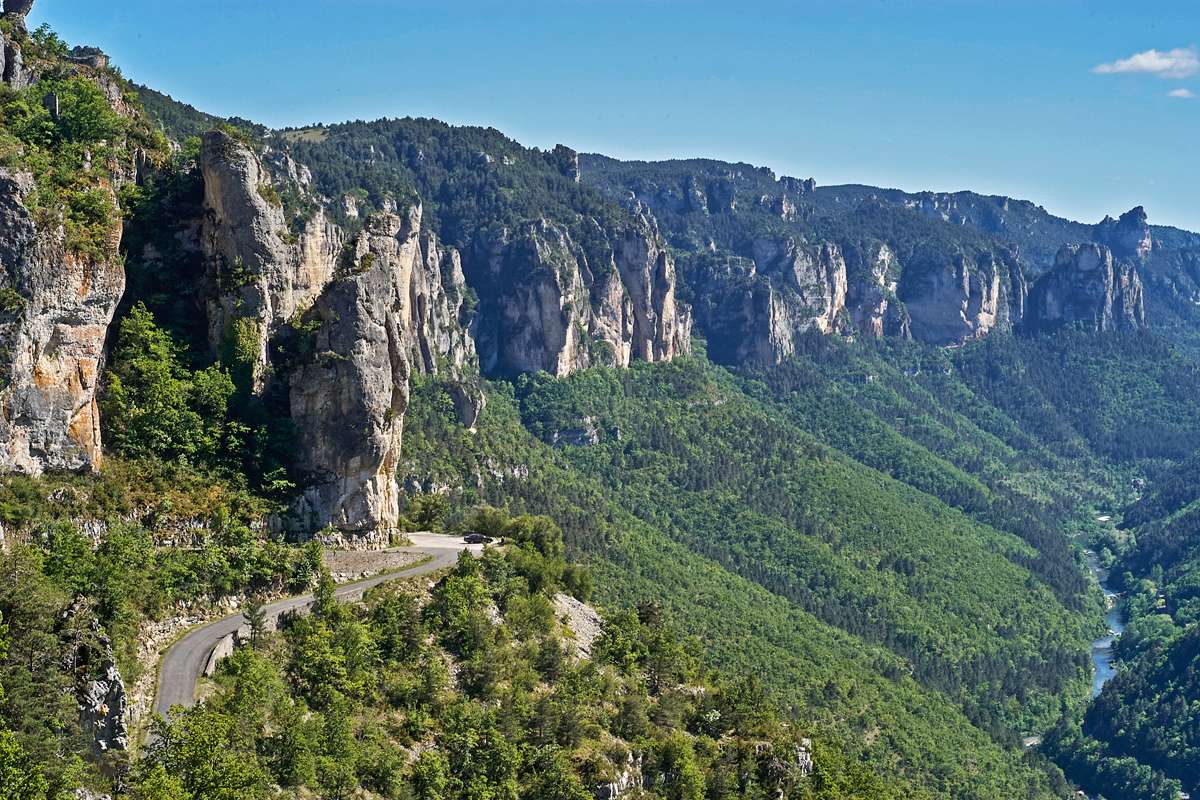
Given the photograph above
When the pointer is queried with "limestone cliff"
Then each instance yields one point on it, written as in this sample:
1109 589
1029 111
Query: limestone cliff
661 327
57 295
755 310
875 310
1128 237
396 308
812 278
549 303
953 297
768 260
348 402
259 273
1087 288
55 308
363 311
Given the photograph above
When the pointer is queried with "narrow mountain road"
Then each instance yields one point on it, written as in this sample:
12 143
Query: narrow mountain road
185 660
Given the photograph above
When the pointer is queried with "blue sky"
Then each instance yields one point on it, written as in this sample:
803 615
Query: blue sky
1001 96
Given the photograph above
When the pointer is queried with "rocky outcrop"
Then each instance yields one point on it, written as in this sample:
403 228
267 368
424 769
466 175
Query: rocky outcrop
583 622
102 709
17 9
566 161
60 284
661 327
952 298
1087 288
362 314
809 281
755 310
1128 237
88 658
871 298
541 318
260 273
548 303
55 308
397 306
13 71
627 780
12 65
796 186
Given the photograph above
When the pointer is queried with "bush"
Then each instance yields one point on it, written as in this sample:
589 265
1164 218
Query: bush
154 407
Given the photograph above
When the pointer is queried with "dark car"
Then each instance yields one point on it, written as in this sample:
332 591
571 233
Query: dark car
477 538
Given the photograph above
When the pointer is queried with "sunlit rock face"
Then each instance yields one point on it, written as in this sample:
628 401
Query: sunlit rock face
549 303
956 297
55 309
1087 288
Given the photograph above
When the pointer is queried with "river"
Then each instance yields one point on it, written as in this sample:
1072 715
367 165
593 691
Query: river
1102 648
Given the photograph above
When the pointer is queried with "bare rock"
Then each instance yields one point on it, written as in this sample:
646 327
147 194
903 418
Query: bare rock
260 274
398 306
1128 237
548 303
755 310
566 161
12 65
628 780
88 794
18 8
952 298
661 327
100 691
92 57
1087 288
871 300
55 311
367 312
583 621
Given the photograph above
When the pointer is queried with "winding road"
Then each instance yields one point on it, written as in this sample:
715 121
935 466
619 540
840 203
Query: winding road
185 660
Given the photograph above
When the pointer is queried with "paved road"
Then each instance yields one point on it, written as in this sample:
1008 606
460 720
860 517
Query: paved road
185 660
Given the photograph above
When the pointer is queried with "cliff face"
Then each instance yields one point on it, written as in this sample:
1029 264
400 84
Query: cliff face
348 403
802 288
259 273
661 328
546 305
364 310
54 316
874 308
958 297
756 309
771 259
1088 288
1128 237
57 300
768 260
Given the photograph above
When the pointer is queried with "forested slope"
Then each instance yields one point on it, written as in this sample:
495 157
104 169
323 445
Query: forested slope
1147 715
